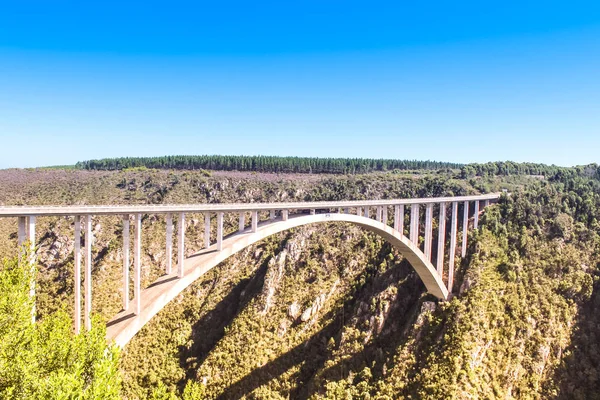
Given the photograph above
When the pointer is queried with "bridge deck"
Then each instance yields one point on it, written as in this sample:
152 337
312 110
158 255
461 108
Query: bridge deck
18 211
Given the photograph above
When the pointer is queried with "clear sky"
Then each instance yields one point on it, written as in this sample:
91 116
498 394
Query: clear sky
465 81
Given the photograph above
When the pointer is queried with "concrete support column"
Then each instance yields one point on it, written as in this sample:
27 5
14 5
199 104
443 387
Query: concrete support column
32 259
465 229
399 218
181 243
254 221
428 230
87 276
379 214
346 210
30 236
22 233
242 224
272 215
476 215
441 240
77 266
384 216
486 204
284 215
219 231
126 232
169 263
137 264
312 211
453 229
414 224
359 211
206 230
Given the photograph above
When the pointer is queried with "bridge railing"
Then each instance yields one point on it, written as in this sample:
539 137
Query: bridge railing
385 211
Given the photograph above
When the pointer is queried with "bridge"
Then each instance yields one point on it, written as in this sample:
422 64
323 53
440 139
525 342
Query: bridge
385 218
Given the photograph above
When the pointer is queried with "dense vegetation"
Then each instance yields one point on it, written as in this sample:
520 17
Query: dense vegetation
332 312
266 164
507 168
45 360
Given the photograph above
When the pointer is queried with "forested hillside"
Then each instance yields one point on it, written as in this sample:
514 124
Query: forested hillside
332 165
331 311
266 164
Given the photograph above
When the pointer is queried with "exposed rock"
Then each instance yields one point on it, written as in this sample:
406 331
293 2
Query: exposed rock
283 327
426 308
314 309
294 310
275 272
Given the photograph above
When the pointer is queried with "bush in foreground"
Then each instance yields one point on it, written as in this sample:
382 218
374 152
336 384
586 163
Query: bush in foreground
46 360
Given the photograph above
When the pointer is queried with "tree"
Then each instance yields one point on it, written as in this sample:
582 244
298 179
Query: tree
46 360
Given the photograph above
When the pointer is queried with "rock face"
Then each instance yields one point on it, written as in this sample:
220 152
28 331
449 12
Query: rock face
311 312
294 310
275 272
313 309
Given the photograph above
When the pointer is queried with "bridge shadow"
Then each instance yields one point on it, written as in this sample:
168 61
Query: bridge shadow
210 329
123 318
578 376
313 353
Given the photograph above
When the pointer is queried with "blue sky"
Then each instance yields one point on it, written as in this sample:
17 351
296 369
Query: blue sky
455 81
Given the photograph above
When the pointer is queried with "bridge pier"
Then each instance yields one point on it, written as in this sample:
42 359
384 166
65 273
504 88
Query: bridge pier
26 233
181 242
465 229
428 230
284 215
367 212
399 218
384 216
206 230
169 255
271 215
359 211
242 223
476 215
254 221
87 279
220 231
30 238
453 231
21 232
441 240
379 215
414 224
126 232
77 273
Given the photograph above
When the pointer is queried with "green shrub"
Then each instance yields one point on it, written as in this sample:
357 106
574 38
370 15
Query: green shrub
46 360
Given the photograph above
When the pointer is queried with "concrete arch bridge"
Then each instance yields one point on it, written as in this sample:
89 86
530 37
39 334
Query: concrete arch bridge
385 218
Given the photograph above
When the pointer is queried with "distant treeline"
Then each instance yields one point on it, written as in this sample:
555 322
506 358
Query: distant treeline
507 168
333 165
267 164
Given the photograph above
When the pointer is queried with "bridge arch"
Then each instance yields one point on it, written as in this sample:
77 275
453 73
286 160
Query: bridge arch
125 325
